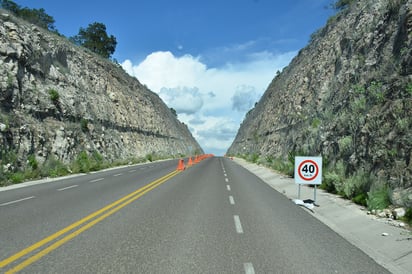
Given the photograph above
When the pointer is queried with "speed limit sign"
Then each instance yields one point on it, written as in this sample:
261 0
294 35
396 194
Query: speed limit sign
308 170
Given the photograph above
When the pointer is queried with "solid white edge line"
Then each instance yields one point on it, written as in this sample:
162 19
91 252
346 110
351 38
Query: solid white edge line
231 200
64 188
16 201
238 225
249 268
96 180
228 187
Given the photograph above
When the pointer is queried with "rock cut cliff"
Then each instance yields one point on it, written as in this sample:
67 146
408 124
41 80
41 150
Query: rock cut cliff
58 99
346 96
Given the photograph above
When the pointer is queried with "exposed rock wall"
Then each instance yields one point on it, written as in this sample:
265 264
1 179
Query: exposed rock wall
59 99
346 96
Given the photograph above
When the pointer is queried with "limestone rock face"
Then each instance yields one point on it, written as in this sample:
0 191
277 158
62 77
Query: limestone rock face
59 99
346 96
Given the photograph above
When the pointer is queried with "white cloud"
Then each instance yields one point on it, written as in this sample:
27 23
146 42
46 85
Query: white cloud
212 101
182 99
244 98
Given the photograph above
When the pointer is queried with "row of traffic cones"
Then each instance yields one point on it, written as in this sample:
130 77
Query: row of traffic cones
181 165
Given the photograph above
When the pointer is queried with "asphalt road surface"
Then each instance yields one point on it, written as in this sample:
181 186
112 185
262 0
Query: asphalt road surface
214 217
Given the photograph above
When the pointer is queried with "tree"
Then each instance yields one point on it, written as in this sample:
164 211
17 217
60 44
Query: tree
173 112
10 6
38 17
341 4
95 38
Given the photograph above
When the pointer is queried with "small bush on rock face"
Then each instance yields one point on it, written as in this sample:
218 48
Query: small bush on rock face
378 199
53 167
17 177
84 124
54 95
357 185
333 178
408 216
82 163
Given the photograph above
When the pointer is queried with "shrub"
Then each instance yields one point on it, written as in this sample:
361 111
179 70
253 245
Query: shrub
361 199
84 125
96 161
333 178
82 163
408 216
149 157
53 168
328 182
17 177
33 162
345 144
254 157
409 89
54 95
357 184
378 199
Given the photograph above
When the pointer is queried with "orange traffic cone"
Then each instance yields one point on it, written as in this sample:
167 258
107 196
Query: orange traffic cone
190 163
181 165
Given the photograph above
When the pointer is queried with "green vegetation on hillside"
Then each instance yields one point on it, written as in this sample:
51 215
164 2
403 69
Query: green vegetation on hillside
96 39
38 17
13 173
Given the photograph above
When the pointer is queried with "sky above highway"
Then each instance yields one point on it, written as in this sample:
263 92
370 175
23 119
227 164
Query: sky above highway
210 60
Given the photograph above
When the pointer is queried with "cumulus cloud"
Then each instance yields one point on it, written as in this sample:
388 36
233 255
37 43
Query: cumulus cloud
212 101
182 99
244 98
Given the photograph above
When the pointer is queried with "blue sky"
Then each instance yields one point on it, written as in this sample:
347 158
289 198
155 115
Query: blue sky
210 60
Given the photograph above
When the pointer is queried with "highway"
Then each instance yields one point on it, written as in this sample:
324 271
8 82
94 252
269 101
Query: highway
214 217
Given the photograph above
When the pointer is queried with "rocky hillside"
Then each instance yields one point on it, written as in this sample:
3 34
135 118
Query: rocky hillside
57 100
348 97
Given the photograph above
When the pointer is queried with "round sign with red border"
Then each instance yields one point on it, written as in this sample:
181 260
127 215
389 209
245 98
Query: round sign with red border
308 170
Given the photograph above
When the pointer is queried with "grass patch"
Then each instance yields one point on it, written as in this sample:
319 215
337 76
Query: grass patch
408 216
378 199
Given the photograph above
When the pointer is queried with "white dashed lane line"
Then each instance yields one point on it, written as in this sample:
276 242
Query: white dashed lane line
69 187
17 201
96 180
249 268
118 174
132 170
238 224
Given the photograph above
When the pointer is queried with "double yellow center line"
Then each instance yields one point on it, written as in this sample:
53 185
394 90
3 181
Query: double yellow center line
88 221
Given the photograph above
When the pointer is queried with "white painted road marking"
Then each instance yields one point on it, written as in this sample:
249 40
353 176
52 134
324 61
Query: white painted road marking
228 187
16 201
249 268
96 180
64 188
118 174
133 170
238 225
227 180
231 200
